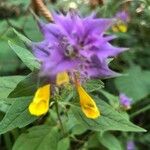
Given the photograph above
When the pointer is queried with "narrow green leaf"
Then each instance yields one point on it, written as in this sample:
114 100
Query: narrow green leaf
26 87
17 115
26 56
7 84
110 141
113 100
38 138
22 37
8 59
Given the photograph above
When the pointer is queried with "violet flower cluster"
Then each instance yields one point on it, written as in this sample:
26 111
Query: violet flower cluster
76 45
73 49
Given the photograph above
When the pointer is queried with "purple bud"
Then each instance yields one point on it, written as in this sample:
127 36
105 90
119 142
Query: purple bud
123 16
130 145
125 101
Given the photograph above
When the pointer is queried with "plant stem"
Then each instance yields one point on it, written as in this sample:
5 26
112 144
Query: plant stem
59 118
8 142
15 133
140 111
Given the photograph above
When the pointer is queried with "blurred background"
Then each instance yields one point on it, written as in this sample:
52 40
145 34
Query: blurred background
135 62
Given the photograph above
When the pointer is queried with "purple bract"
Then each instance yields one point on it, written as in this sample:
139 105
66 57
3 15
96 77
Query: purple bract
75 44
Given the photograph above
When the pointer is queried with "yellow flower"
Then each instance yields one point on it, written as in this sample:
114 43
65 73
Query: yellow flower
120 27
88 105
40 103
62 78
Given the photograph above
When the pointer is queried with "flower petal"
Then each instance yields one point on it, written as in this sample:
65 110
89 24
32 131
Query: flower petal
38 109
88 105
40 102
62 78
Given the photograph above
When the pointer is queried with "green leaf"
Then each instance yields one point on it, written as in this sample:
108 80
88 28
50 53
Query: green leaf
78 129
17 115
67 93
26 87
136 84
110 119
22 37
8 60
7 84
93 142
113 100
110 141
93 85
64 144
38 138
21 3
145 138
73 126
4 106
32 30
26 56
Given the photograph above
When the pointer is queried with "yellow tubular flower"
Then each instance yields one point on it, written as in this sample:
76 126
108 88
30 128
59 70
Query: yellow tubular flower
120 27
40 103
62 78
88 105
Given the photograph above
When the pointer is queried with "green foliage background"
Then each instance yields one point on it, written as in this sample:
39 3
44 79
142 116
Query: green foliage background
18 82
